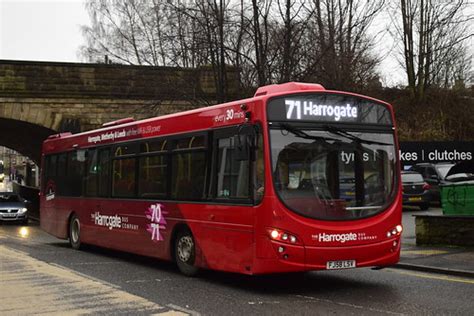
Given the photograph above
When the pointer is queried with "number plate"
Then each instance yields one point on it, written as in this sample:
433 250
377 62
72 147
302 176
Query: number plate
341 264
9 215
415 199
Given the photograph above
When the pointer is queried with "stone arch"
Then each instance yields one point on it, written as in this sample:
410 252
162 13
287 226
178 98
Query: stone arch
31 111
24 137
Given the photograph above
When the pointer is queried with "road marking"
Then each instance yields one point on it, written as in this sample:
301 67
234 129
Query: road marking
31 286
93 263
182 309
424 252
137 281
315 299
435 277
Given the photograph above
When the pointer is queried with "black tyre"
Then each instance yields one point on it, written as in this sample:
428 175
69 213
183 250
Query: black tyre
424 207
185 252
75 232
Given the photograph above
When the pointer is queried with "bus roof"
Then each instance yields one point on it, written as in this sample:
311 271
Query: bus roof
220 115
288 87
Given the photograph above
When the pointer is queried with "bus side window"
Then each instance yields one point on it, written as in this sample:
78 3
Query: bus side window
52 166
188 174
90 179
153 180
153 169
123 181
104 172
238 172
50 171
76 165
61 173
124 170
259 168
232 174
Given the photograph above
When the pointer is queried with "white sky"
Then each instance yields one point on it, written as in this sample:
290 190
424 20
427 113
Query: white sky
41 30
49 30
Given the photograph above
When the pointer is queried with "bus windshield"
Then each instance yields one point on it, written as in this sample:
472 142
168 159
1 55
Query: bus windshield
333 174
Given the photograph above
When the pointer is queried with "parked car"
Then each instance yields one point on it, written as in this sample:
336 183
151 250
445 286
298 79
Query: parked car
416 191
462 171
13 208
434 175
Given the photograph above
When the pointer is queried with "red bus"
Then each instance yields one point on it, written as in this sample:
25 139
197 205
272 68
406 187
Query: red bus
296 178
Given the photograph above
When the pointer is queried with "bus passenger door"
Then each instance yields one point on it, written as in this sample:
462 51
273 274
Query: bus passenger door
97 192
229 240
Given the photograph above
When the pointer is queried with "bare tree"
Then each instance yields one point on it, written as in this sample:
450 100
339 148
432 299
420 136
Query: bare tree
339 45
269 41
289 38
433 34
124 31
260 38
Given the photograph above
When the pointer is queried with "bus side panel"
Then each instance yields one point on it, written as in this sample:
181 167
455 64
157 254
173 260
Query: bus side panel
56 214
131 226
49 219
224 235
54 219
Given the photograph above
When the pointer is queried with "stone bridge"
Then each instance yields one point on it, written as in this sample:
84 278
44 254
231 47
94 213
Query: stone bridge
38 99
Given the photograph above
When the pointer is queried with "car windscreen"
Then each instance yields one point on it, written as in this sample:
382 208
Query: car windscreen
411 177
333 174
443 169
9 198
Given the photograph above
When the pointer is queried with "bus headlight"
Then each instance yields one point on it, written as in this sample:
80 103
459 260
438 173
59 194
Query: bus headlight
283 236
396 231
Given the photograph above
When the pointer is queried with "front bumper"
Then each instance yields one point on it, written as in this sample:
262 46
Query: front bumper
13 217
305 258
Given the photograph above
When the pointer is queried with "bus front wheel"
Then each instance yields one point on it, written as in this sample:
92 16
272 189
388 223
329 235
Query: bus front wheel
75 232
185 253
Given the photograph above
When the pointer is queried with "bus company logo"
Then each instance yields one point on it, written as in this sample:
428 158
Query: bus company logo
50 191
114 221
298 110
155 213
342 238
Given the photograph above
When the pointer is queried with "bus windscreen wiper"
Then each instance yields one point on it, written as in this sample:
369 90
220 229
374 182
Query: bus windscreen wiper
337 131
299 133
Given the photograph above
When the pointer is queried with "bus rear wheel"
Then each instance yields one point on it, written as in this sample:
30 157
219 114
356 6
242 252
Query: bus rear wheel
185 253
75 232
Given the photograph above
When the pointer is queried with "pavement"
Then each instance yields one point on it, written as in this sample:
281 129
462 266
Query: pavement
456 261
